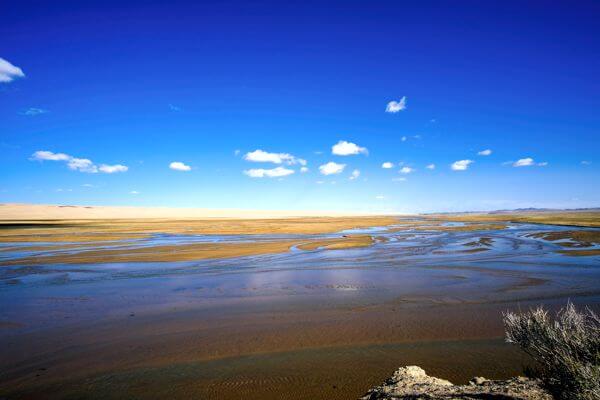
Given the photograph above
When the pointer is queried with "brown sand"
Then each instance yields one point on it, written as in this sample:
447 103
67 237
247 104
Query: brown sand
80 231
581 253
190 252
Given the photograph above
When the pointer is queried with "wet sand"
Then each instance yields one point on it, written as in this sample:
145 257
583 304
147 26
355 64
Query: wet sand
305 323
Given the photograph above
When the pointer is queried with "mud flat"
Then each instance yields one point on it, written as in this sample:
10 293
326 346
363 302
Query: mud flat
331 315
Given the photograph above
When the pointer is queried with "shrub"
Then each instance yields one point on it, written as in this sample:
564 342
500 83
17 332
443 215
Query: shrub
566 349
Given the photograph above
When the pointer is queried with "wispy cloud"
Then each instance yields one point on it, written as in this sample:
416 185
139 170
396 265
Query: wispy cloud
77 164
461 165
396 106
485 152
380 197
303 169
387 165
355 174
268 173
275 158
43 155
406 170
344 148
9 72
399 179
111 169
179 166
430 166
174 108
528 162
134 192
332 168
82 165
32 111
586 162
524 162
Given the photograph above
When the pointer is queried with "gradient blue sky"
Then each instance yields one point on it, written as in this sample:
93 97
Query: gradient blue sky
144 84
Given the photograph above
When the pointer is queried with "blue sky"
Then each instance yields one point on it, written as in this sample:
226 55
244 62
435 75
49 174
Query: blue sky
142 85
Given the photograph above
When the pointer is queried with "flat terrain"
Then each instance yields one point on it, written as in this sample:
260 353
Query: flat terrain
10 211
319 307
570 218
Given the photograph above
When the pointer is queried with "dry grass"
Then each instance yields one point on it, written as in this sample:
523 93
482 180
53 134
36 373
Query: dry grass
464 228
590 219
341 243
82 231
582 238
567 349
581 253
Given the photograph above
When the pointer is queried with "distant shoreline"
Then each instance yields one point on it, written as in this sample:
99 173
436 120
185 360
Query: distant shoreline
23 212
45 212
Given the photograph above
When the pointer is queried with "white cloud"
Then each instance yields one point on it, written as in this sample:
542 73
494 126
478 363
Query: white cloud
485 152
400 179
403 138
134 192
406 170
524 162
387 165
77 164
355 174
542 164
303 169
31 111
332 168
268 173
396 106
585 162
430 166
276 158
111 169
9 72
43 155
461 165
179 166
82 165
344 148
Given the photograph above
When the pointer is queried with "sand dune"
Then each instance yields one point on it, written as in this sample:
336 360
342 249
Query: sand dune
74 212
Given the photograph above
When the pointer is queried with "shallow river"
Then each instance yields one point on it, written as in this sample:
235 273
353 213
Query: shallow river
303 324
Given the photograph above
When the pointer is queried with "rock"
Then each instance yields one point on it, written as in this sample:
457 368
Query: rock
413 383
478 380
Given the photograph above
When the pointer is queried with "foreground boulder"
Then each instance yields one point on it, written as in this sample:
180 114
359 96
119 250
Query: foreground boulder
412 383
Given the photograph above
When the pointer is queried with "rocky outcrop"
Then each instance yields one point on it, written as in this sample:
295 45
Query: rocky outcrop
412 383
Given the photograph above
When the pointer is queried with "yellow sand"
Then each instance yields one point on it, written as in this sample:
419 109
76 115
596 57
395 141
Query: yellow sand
190 252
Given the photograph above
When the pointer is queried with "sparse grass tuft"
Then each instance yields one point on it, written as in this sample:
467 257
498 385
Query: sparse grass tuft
566 348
